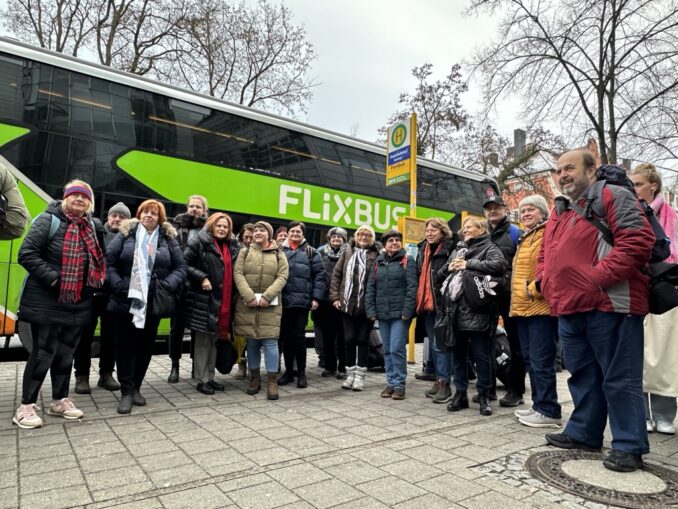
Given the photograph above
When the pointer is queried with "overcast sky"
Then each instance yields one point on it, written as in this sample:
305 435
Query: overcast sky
367 49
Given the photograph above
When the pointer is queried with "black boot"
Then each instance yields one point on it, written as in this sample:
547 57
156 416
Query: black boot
302 383
174 373
485 408
459 401
286 378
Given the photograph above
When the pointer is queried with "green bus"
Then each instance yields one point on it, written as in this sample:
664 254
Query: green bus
133 138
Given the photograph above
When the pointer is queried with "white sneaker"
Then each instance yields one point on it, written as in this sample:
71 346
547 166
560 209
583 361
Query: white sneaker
65 408
523 412
665 427
537 420
649 425
27 417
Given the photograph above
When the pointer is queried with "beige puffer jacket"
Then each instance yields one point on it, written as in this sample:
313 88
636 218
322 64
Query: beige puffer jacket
262 271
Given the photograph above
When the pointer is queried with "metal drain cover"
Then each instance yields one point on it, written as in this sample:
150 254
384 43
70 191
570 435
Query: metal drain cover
582 474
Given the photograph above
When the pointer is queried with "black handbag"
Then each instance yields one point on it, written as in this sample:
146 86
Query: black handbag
443 331
226 356
164 300
480 290
663 287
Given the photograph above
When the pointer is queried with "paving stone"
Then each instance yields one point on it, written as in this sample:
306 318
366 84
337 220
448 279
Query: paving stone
220 457
379 456
390 490
8 479
346 441
492 499
363 503
412 470
163 461
116 492
77 495
252 444
8 497
428 454
241 482
152 435
107 462
328 493
157 447
177 475
51 480
429 501
298 475
122 476
87 450
271 456
204 497
146 503
266 495
478 454
451 487
46 451
356 472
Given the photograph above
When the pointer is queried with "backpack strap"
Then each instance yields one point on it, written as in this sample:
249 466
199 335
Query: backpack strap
54 224
607 234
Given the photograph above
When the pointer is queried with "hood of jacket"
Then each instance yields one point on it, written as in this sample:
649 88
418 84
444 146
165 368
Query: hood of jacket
128 225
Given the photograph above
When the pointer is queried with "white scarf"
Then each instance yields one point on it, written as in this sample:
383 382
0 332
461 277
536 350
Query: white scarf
145 248
359 256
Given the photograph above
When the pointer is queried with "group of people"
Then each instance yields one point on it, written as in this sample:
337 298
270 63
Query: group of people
555 280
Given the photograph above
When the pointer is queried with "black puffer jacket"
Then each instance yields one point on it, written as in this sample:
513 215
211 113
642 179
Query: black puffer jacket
392 287
485 257
307 278
330 259
203 260
438 261
41 257
169 265
502 238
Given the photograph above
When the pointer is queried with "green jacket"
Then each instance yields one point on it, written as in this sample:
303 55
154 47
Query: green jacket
259 271
16 214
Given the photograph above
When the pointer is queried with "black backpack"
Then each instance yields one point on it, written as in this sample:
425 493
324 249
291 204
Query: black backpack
610 174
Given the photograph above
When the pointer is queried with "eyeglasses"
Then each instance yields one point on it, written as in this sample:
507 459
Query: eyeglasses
363 234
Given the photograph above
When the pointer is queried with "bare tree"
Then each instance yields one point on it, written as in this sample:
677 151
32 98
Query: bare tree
133 35
599 66
438 108
58 25
255 56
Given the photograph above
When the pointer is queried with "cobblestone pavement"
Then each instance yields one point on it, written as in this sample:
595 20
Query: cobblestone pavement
317 447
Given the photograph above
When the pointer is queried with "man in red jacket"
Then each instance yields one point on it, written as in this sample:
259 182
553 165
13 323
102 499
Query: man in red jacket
600 295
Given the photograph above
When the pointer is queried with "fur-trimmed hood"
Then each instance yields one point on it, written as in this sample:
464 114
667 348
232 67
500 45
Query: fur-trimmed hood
186 220
130 224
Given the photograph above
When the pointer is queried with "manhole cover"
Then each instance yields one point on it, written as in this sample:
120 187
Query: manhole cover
582 474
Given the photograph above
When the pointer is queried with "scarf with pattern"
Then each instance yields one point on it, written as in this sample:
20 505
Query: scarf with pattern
73 257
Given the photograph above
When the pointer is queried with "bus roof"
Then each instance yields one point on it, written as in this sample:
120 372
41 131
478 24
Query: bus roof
27 51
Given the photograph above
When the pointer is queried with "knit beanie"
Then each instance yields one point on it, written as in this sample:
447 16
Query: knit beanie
390 234
120 208
269 228
338 230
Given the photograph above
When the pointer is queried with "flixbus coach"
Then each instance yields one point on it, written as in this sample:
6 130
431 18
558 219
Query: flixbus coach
133 138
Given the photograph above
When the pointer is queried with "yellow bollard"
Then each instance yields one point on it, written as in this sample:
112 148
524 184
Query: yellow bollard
410 344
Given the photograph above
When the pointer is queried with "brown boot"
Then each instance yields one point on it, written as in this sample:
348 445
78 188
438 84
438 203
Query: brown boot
255 382
272 388
242 370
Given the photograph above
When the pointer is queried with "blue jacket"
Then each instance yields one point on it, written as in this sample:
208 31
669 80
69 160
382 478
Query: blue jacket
307 278
392 287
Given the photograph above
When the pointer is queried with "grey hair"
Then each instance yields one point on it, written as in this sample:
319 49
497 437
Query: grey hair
537 201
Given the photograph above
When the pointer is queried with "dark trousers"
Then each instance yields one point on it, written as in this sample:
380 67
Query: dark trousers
538 344
516 382
53 347
175 340
134 349
428 318
82 358
604 355
357 331
293 337
328 319
481 342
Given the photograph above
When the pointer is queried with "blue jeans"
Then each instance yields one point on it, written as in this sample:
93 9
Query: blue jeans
481 342
442 360
394 335
270 353
604 355
538 345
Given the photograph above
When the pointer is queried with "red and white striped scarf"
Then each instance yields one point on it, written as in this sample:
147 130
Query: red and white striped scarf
73 259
